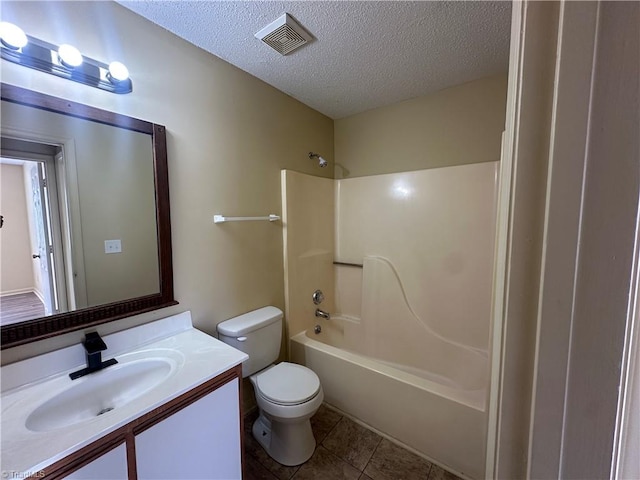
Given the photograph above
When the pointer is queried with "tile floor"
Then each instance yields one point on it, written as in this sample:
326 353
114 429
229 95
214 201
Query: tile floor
344 450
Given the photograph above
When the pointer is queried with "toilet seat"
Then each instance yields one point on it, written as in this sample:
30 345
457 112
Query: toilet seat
287 384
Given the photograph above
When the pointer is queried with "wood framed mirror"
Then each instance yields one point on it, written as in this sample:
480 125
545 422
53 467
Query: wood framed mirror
113 255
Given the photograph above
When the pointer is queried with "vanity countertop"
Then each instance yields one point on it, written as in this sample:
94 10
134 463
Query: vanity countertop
197 358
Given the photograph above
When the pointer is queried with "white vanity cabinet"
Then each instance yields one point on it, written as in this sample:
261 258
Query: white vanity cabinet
194 436
112 465
200 441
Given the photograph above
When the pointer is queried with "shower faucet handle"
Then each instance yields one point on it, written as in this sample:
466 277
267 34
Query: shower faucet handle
318 297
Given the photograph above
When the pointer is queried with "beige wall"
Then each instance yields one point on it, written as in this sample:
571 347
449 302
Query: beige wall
116 200
456 126
229 135
16 270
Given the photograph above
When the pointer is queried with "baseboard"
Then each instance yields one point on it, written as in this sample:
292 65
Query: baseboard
40 296
19 291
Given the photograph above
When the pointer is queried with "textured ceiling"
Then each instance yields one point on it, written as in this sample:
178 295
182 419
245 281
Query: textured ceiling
364 55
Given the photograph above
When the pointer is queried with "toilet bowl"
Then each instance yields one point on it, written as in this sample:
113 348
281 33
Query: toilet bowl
287 394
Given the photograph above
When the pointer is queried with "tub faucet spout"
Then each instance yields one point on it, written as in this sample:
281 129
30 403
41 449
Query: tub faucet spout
320 313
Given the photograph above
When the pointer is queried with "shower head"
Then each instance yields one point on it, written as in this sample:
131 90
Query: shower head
321 161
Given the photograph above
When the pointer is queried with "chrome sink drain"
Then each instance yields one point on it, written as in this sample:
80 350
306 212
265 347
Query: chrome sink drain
104 410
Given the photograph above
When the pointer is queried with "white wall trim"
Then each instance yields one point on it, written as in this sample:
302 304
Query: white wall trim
502 244
625 461
17 291
607 246
565 188
519 236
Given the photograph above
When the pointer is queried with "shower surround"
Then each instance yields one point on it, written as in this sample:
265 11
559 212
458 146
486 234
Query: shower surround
405 261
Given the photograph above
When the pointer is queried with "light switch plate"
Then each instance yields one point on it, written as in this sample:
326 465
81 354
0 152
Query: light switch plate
112 246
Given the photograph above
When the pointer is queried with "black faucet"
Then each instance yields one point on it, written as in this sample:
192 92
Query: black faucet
94 345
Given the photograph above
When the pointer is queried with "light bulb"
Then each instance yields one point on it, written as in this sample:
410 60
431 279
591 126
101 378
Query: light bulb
118 72
12 36
69 55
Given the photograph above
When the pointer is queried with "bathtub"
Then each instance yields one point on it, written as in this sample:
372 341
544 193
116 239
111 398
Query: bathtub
440 416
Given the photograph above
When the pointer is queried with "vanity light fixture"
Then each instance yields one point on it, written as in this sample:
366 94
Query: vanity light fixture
118 72
12 36
69 56
64 61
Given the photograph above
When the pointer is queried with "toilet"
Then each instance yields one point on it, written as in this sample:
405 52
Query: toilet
287 394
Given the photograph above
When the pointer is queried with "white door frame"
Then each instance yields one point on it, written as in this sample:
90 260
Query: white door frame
519 235
626 461
552 262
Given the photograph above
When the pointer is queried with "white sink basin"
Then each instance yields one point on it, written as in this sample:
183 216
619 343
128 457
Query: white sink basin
101 392
45 416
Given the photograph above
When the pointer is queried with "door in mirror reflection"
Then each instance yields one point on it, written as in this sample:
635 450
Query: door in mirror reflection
43 273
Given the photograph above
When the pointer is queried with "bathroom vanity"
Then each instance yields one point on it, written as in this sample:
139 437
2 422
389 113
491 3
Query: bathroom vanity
170 408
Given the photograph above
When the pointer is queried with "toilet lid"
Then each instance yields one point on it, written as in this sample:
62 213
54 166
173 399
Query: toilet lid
288 384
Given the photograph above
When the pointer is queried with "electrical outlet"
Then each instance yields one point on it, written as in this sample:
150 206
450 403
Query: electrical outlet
112 246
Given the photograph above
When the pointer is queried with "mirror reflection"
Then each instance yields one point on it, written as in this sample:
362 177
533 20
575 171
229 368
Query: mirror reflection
78 213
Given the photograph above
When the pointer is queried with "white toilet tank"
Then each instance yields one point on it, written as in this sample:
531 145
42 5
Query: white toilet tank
258 334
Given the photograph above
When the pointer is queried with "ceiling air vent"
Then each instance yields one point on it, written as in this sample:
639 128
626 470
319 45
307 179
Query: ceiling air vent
284 35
